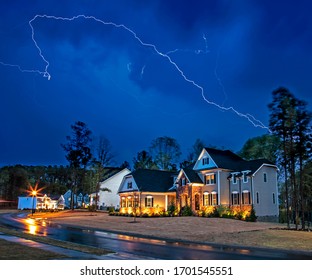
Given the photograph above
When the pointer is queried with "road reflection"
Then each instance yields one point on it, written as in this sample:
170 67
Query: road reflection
141 246
35 226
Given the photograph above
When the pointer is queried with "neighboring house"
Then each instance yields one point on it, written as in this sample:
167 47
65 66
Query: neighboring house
112 183
108 190
41 202
147 191
79 201
26 202
223 178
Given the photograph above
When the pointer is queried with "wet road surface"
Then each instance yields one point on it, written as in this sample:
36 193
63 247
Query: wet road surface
145 248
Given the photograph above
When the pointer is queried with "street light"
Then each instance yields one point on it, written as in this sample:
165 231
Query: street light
34 194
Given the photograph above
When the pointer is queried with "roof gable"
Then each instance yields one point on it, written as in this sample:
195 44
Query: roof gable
109 172
128 184
226 159
148 180
114 172
191 175
205 161
256 164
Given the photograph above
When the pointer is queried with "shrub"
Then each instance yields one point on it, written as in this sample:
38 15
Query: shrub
92 208
187 211
215 213
252 216
111 210
171 208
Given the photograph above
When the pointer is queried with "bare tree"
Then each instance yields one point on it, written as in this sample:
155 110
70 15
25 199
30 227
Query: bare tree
165 152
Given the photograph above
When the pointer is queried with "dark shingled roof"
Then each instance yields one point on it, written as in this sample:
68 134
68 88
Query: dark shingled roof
149 180
109 172
253 165
192 175
225 159
228 160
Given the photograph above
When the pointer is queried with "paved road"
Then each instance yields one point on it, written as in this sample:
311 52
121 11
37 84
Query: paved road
144 248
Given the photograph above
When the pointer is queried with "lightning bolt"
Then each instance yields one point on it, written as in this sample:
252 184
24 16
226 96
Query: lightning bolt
255 122
23 70
198 51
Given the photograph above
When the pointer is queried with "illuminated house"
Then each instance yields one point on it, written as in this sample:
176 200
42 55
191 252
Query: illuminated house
108 192
147 191
223 178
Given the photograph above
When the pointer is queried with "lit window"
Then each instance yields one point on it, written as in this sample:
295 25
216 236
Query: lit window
214 198
206 199
123 202
235 198
129 201
149 201
246 197
210 179
136 201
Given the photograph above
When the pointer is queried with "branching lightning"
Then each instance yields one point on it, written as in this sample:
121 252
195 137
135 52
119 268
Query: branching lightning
23 70
46 74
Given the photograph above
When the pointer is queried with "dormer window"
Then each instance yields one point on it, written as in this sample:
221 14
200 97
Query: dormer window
183 181
205 160
129 186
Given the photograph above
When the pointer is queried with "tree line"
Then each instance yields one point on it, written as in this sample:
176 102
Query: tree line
288 145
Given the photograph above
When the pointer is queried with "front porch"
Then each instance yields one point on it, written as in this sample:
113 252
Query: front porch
140 203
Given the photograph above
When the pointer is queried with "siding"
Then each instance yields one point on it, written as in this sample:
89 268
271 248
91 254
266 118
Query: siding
265 207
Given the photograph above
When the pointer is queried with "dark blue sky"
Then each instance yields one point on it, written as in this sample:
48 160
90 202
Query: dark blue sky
237 52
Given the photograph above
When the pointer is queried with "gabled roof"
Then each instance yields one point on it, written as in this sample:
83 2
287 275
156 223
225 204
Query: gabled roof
254 165
228 160
225 158
109 172
149 180
192 175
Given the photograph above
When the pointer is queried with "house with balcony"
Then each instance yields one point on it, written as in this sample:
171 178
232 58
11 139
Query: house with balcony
222 178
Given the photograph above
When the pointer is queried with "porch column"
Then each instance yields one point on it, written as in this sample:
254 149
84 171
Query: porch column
166 202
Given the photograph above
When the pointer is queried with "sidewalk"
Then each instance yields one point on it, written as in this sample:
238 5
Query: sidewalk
72 254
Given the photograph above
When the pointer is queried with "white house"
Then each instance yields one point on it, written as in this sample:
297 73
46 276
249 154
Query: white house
108 195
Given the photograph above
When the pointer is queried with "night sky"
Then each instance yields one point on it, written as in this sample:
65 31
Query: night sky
146 78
